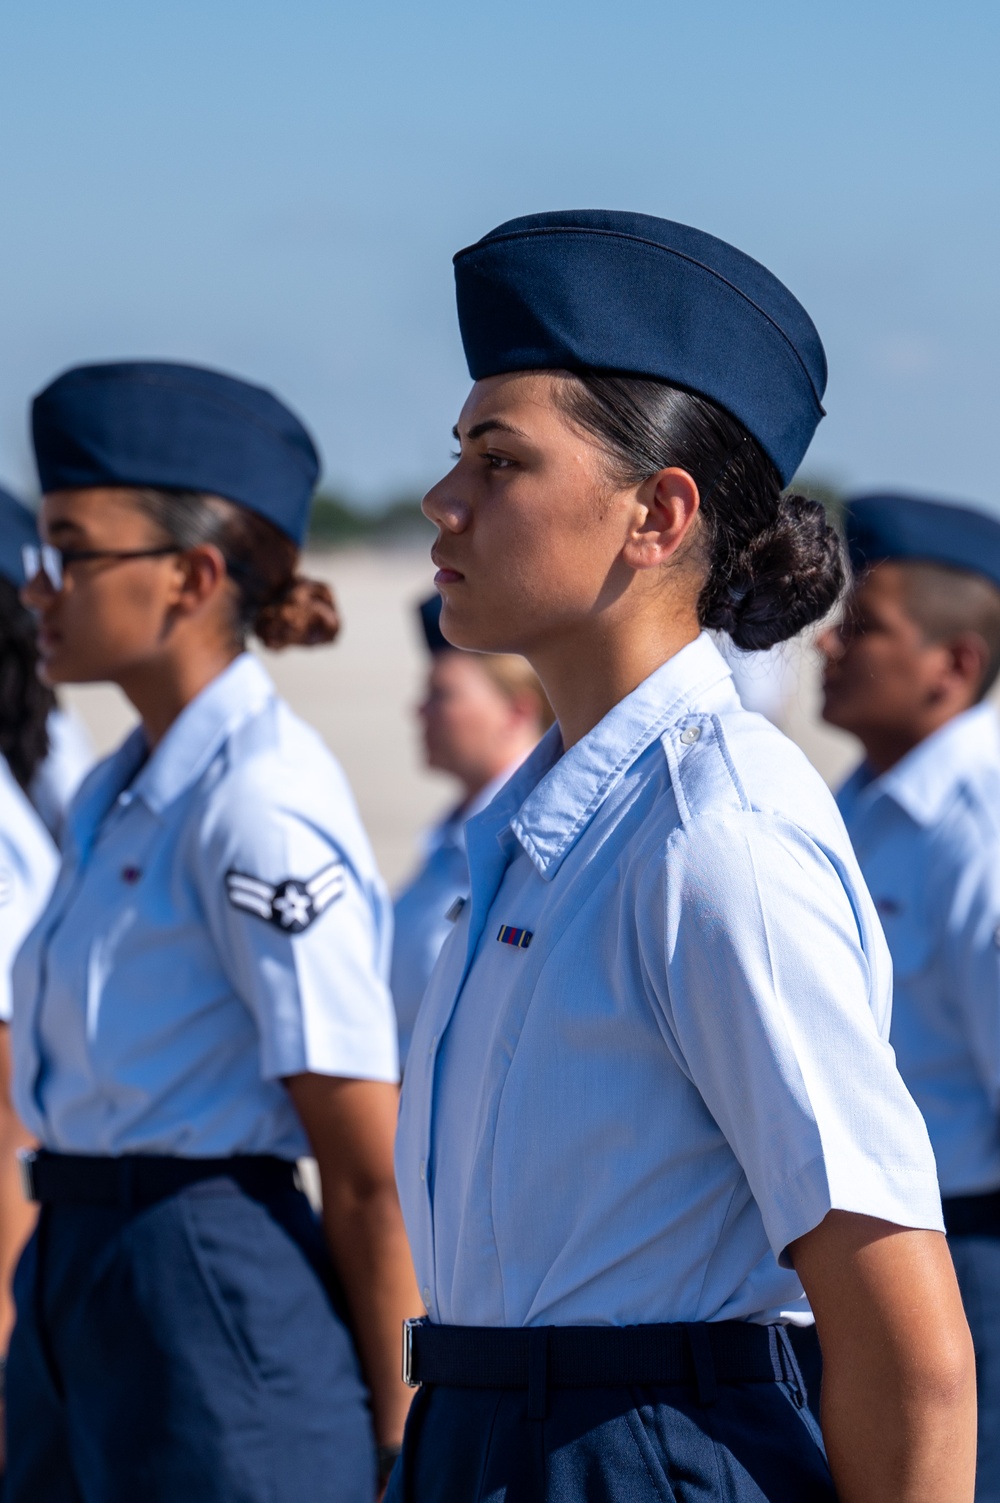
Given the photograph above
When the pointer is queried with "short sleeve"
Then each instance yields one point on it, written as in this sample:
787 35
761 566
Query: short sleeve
763 964
300 934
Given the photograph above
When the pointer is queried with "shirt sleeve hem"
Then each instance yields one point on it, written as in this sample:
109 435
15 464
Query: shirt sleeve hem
907 1198
345 1063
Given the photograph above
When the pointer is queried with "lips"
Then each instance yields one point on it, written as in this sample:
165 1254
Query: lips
446 574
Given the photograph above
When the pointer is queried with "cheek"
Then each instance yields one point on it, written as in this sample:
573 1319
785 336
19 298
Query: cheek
109 618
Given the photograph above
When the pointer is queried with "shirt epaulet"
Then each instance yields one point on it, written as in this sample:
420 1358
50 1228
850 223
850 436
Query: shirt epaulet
702 771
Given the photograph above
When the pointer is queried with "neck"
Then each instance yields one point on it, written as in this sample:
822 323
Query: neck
161 689
589 670
885 747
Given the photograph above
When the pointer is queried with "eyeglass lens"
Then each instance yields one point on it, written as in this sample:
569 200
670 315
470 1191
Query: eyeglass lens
42 559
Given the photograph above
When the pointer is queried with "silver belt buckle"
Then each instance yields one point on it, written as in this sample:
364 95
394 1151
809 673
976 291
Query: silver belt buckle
26 1172
409 1326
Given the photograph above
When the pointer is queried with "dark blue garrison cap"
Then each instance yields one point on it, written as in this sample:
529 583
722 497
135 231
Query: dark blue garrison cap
176 427
882 527
17 527
430 620
627 294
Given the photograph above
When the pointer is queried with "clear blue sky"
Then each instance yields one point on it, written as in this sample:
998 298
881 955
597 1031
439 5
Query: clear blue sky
277 186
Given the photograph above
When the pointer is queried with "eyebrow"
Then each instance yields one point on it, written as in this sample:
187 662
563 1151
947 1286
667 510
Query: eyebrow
64 525
489 425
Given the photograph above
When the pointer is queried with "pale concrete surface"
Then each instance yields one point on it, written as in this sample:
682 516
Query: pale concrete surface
360 694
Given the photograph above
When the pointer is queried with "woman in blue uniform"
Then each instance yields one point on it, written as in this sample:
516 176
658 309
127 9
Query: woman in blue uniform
204 1000
28 859
649 1099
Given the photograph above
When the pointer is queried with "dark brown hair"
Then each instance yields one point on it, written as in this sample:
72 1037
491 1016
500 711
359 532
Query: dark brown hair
275 602
774 564
25 702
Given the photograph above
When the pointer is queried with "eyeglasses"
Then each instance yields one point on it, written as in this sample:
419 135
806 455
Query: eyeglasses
43 558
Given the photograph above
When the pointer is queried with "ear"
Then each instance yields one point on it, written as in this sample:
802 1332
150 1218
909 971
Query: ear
201 575
667 505
967 663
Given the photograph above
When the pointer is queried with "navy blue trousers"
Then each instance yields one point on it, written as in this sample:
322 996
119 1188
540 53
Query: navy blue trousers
977 1264
612 1445
189 1352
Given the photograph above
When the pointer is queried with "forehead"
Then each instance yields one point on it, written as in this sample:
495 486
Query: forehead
89 507
455 669
522 399
881 587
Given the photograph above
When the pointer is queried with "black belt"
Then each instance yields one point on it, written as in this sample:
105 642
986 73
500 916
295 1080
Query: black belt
541 1357
134 1180
972 1215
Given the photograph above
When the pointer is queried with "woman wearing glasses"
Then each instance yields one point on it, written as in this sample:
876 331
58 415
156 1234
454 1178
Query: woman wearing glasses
204 999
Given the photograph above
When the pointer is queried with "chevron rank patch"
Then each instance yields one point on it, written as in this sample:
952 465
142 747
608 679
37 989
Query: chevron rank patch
290 905
520 938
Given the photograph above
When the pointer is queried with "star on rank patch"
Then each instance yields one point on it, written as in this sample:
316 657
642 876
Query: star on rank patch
292 905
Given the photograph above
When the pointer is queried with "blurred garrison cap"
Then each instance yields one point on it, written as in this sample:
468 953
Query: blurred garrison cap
17 527
883 527
430 620
176 427
627 294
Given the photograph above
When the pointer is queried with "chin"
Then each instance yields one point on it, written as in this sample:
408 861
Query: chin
471 632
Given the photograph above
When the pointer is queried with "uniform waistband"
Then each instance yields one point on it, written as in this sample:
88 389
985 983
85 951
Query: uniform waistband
972 1215
133 1180
541 1357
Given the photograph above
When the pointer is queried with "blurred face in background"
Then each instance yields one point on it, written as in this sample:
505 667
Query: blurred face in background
473 728
111 615
905 658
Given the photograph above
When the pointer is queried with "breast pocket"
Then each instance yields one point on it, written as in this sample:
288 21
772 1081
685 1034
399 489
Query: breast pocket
907 931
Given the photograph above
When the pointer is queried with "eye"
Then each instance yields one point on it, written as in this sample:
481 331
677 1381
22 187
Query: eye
454 453
497 461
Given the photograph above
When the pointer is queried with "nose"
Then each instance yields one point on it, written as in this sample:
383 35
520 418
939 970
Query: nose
830 643
38 591
444 509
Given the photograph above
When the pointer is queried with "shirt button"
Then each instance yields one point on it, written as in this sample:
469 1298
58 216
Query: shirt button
691 735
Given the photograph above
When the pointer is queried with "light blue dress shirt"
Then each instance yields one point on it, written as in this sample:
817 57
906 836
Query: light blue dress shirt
630 1117
421 921
70 758
927 837
218 923
28 865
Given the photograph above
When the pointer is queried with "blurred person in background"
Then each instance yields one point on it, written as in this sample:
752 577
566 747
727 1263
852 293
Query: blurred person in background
906 672
67 754
205 999
481 715
28 858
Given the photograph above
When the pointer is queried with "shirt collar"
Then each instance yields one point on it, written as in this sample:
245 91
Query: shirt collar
924 782
240 691
551 800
